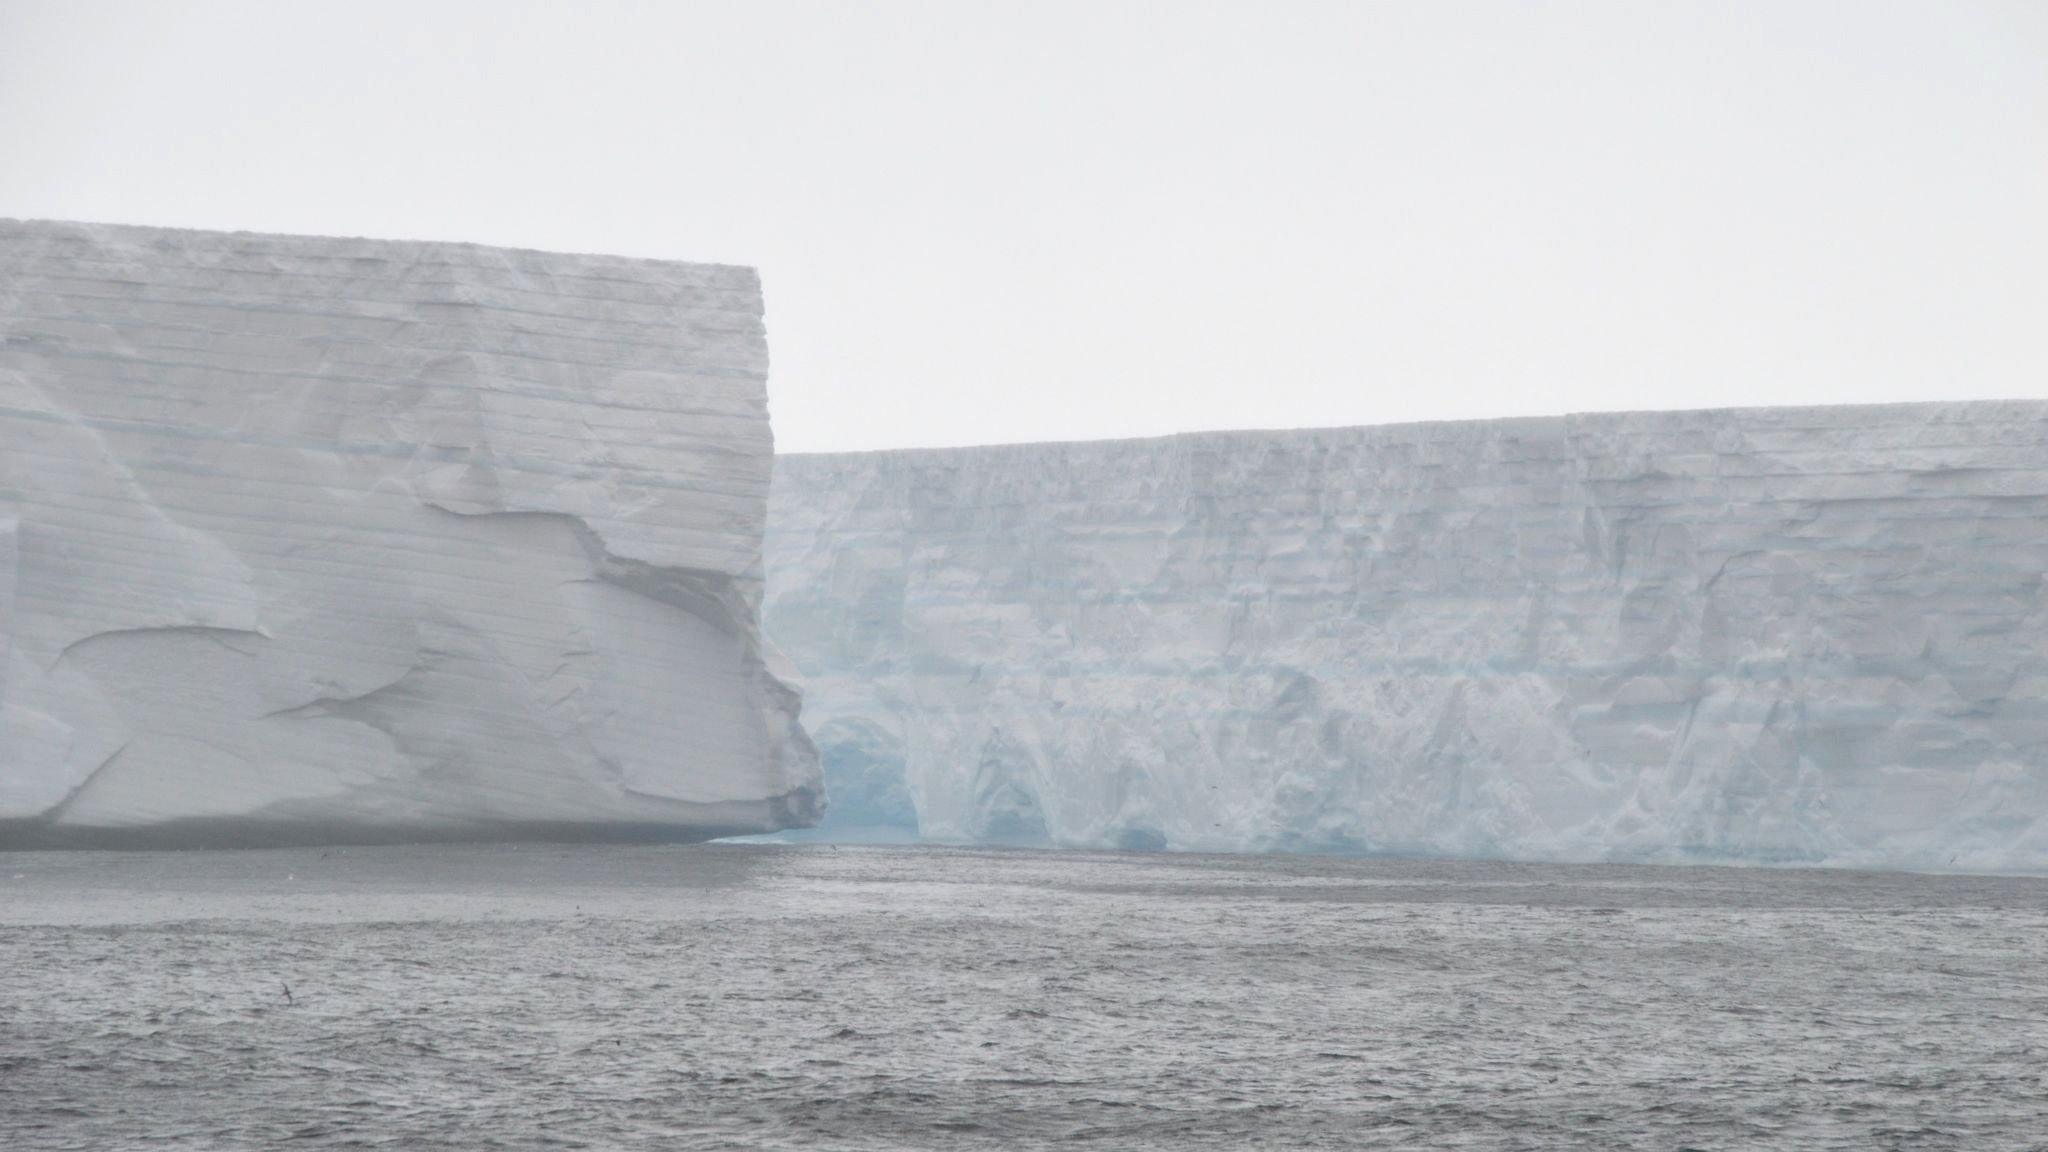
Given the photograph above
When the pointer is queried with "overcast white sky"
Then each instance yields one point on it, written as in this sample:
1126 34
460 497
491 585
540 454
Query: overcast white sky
982 222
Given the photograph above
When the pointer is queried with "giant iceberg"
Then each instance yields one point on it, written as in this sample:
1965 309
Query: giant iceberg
310 539
1798 635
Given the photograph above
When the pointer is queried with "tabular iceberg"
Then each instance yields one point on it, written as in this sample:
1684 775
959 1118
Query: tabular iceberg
311 539
1799 635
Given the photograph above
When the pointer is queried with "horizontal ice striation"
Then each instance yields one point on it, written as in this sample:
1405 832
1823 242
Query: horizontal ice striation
321 539
1799 635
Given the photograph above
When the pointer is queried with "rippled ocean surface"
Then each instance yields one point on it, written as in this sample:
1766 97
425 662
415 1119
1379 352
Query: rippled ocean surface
758 996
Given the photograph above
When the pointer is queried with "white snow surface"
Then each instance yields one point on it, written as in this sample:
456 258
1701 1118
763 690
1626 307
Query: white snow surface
327 539
1785 635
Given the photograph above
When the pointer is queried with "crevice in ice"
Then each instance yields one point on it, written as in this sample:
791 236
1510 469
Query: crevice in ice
220 636
1730 561
56 813
711 596
341 705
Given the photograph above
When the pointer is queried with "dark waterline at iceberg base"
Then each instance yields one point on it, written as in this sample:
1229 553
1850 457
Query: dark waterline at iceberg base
751 996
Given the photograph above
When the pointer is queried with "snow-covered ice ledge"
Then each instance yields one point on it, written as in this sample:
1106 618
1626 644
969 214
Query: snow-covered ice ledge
1790 635
308 539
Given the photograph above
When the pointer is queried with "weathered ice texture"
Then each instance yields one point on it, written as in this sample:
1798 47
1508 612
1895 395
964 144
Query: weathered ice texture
1809 635
319 539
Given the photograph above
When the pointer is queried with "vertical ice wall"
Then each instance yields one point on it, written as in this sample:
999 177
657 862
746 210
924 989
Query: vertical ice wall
307 538
1797 635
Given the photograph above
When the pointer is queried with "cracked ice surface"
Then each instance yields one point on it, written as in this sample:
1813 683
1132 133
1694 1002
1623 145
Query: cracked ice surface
1814 635
324 539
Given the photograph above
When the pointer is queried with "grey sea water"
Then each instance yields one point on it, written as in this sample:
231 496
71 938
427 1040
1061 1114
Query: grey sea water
767 997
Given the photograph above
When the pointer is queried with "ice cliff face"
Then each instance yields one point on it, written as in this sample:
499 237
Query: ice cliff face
1791 635
315 539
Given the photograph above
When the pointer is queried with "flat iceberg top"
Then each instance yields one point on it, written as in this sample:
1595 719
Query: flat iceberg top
1802 634
359 536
